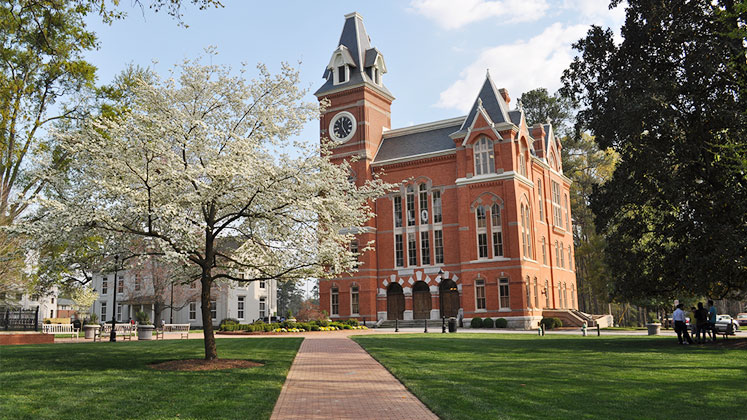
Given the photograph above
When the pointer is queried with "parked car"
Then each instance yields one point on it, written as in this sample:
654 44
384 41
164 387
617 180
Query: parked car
742 319
723 321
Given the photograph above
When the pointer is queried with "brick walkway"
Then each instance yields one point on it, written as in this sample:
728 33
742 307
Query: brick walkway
334 378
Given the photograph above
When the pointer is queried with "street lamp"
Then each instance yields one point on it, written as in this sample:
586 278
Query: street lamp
113 334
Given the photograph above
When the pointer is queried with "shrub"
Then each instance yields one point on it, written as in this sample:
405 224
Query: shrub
501 323
487 323
476 322
352 322
550 323
226 322
315 327
142 318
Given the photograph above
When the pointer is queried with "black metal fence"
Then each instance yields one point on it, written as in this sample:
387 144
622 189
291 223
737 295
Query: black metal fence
20 319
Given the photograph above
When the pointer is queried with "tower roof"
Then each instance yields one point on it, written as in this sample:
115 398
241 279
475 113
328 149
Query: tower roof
357 53
491 101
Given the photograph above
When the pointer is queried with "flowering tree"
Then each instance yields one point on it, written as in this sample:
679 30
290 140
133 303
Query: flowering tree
198 166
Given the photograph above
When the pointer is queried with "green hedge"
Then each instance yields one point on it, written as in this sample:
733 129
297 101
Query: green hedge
550 323
487 323
476 322
501 323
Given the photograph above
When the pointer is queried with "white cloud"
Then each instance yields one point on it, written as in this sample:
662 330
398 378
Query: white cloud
518 67
453 14
597 11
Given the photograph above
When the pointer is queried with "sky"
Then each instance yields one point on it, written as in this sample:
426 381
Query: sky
437 52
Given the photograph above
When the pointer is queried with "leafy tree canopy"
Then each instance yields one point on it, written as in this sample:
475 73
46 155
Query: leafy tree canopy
670 100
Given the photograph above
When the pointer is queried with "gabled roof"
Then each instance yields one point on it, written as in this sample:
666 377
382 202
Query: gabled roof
418 140
492 102
357 43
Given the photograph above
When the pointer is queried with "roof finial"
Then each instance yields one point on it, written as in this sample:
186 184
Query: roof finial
520 105
549 120
479 102
487 73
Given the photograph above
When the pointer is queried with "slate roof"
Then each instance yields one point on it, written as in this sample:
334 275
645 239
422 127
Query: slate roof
358 44
492 102
417 143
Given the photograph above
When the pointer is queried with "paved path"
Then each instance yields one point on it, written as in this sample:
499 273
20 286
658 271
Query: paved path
334 378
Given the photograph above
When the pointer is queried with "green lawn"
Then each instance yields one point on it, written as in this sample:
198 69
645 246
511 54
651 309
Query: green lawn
486 376
112 380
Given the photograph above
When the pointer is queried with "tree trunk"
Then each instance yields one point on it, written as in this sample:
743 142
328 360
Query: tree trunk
157 310
211 352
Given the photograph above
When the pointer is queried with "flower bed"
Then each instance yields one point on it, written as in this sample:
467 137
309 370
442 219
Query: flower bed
230 325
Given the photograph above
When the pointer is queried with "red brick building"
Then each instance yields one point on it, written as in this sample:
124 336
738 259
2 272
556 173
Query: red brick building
481 223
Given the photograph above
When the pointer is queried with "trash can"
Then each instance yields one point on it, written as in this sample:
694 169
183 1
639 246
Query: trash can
76 324
452 325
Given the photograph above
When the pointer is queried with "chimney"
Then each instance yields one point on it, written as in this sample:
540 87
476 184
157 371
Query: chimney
504 94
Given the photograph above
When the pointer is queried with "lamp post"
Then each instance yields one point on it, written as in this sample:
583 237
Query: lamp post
171 305
113 334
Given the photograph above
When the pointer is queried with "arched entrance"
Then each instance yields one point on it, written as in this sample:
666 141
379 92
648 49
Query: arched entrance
449 298
395 302
421 301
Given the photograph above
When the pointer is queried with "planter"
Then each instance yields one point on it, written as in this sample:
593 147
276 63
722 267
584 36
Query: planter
90 330
145 332
653 329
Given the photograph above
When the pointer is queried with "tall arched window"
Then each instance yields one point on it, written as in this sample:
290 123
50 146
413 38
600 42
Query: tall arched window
536 293
482 232
541 199
562 253
544 251
529 294
528 226
547 293
484 156
570 264
523 231
522 162
496 229
557 254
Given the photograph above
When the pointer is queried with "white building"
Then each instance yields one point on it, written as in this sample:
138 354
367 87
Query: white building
245 302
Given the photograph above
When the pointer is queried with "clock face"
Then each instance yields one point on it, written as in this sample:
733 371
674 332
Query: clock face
343 126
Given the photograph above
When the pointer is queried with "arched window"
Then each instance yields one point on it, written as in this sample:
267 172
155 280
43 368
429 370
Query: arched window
423 203
557 254
565 294
544 251
547 293
529 293
562 253
482 233
541 199
528 226
567 213
496 229
522 161
523 231
570 264
484 156
536 293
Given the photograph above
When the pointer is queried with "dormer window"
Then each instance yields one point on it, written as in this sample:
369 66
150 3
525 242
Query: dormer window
484 156
342 74
340 65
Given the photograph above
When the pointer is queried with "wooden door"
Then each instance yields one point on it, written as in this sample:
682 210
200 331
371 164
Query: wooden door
449 298
421 301
395 302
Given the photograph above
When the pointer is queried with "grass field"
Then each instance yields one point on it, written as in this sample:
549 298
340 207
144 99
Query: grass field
486 376
112 380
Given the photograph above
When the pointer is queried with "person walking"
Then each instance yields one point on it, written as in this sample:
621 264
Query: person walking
680 325
712 319
701 323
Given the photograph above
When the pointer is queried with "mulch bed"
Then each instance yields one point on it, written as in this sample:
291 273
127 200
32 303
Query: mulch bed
202 364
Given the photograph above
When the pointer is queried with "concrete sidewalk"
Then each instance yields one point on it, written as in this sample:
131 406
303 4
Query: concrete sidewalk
332 377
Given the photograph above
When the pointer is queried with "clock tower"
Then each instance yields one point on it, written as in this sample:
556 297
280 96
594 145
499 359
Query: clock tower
359 104
357 114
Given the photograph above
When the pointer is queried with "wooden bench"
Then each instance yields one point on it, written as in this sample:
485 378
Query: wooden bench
60 329
123 330
181 329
